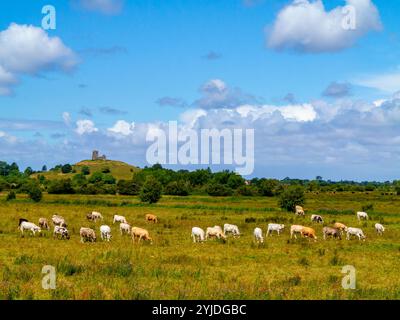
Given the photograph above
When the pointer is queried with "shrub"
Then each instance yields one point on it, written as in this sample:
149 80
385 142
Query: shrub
177 188
11 196
218 190
96 177
235 181
246 191
267 188
66 168
151 190
34 192
109 179
290 198
106 170
63 186
85 170
128 187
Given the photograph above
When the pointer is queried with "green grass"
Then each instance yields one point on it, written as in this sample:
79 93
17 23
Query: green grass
119 170
175 268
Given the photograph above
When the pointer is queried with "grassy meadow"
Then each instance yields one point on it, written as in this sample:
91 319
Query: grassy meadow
175 268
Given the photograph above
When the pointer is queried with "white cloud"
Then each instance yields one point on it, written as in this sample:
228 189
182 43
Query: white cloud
28 50
387 82
306 26
67 118
110 7
122 127
85 126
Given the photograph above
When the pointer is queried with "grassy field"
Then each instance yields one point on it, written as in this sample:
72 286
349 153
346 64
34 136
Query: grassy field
119 170
175 268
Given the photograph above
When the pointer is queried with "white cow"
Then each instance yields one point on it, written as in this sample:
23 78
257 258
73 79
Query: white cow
362 216
355 232
294 230
59 221
125 228
317 218
197 234
275 227
97 216
105 233
215 232
120 219
231 228
299 211
380 229
29 226
61 231
258 235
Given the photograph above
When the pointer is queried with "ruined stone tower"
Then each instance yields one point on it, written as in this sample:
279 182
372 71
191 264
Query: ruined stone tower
96 156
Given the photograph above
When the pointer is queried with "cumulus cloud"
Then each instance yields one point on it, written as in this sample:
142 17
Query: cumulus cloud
85 127
337 90
66 118
109 7
122 127
28 50
306 26
215 94
386 82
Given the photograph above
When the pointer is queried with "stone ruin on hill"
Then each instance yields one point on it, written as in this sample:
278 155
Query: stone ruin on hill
96 156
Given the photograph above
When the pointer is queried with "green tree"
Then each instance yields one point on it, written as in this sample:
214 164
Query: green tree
268 187
62 186
291 197
96 177
85 170
66 168
218 190
151 190
28 171
177 188
128 187
235 181
34 192
44 168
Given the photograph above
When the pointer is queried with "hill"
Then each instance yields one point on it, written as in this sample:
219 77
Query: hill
120 170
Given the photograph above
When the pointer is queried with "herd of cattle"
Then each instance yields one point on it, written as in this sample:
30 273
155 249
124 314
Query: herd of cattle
198 235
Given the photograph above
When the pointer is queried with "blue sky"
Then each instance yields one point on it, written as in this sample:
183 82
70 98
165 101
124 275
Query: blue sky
148 62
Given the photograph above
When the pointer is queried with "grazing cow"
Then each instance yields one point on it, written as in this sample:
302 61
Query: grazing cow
29 226
44 224
96 216
294 230
362 216
59 221
22 220
355 232
300 211
215 232
197 234
125 228
105 233
120 219
87 234
151 218
317 218
340 226
258 235
275 227
380 229
141 234
231 228
332 232
308 233
61 231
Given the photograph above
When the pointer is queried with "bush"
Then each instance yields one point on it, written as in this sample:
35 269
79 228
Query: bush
106 170
35 193
177 188
96 177
128 187
246 191
85 170
290 198
235 181
109 179
151 190
66 168
218 190
11 196
267 188
63 186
